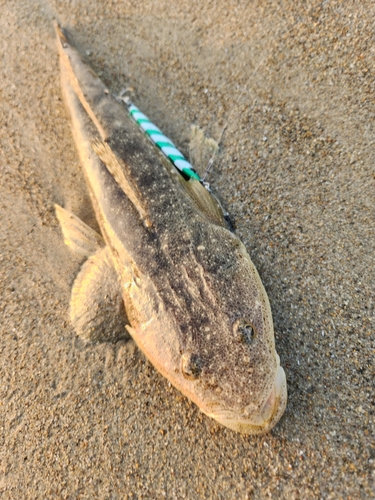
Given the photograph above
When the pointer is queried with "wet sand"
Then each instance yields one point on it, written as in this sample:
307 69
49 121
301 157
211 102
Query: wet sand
295 86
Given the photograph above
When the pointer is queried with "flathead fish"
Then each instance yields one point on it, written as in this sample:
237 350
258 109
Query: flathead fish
166 269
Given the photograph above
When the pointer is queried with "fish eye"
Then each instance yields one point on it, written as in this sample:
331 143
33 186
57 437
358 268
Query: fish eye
191 366
244 331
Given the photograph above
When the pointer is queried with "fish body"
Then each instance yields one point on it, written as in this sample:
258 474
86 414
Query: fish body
166 269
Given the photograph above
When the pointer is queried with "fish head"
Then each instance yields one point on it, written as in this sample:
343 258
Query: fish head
231 358
215 342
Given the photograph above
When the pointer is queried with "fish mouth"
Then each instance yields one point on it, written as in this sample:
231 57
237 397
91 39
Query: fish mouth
267 417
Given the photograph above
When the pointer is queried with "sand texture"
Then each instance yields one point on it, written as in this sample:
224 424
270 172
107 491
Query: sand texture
294 82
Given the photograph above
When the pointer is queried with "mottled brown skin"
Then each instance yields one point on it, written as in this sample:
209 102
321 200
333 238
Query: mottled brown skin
194 301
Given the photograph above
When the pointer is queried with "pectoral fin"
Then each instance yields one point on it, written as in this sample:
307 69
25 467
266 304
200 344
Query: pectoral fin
97 309
202 150
204 201
78 236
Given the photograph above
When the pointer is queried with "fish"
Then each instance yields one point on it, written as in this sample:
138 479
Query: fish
166 269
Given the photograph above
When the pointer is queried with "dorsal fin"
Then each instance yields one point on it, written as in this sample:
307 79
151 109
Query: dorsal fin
109 158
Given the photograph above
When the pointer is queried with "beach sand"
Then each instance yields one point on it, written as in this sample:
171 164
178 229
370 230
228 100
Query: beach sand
295 86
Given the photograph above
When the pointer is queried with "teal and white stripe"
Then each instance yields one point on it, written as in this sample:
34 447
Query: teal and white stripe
165 144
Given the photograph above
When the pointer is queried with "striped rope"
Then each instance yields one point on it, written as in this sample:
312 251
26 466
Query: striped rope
163 143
